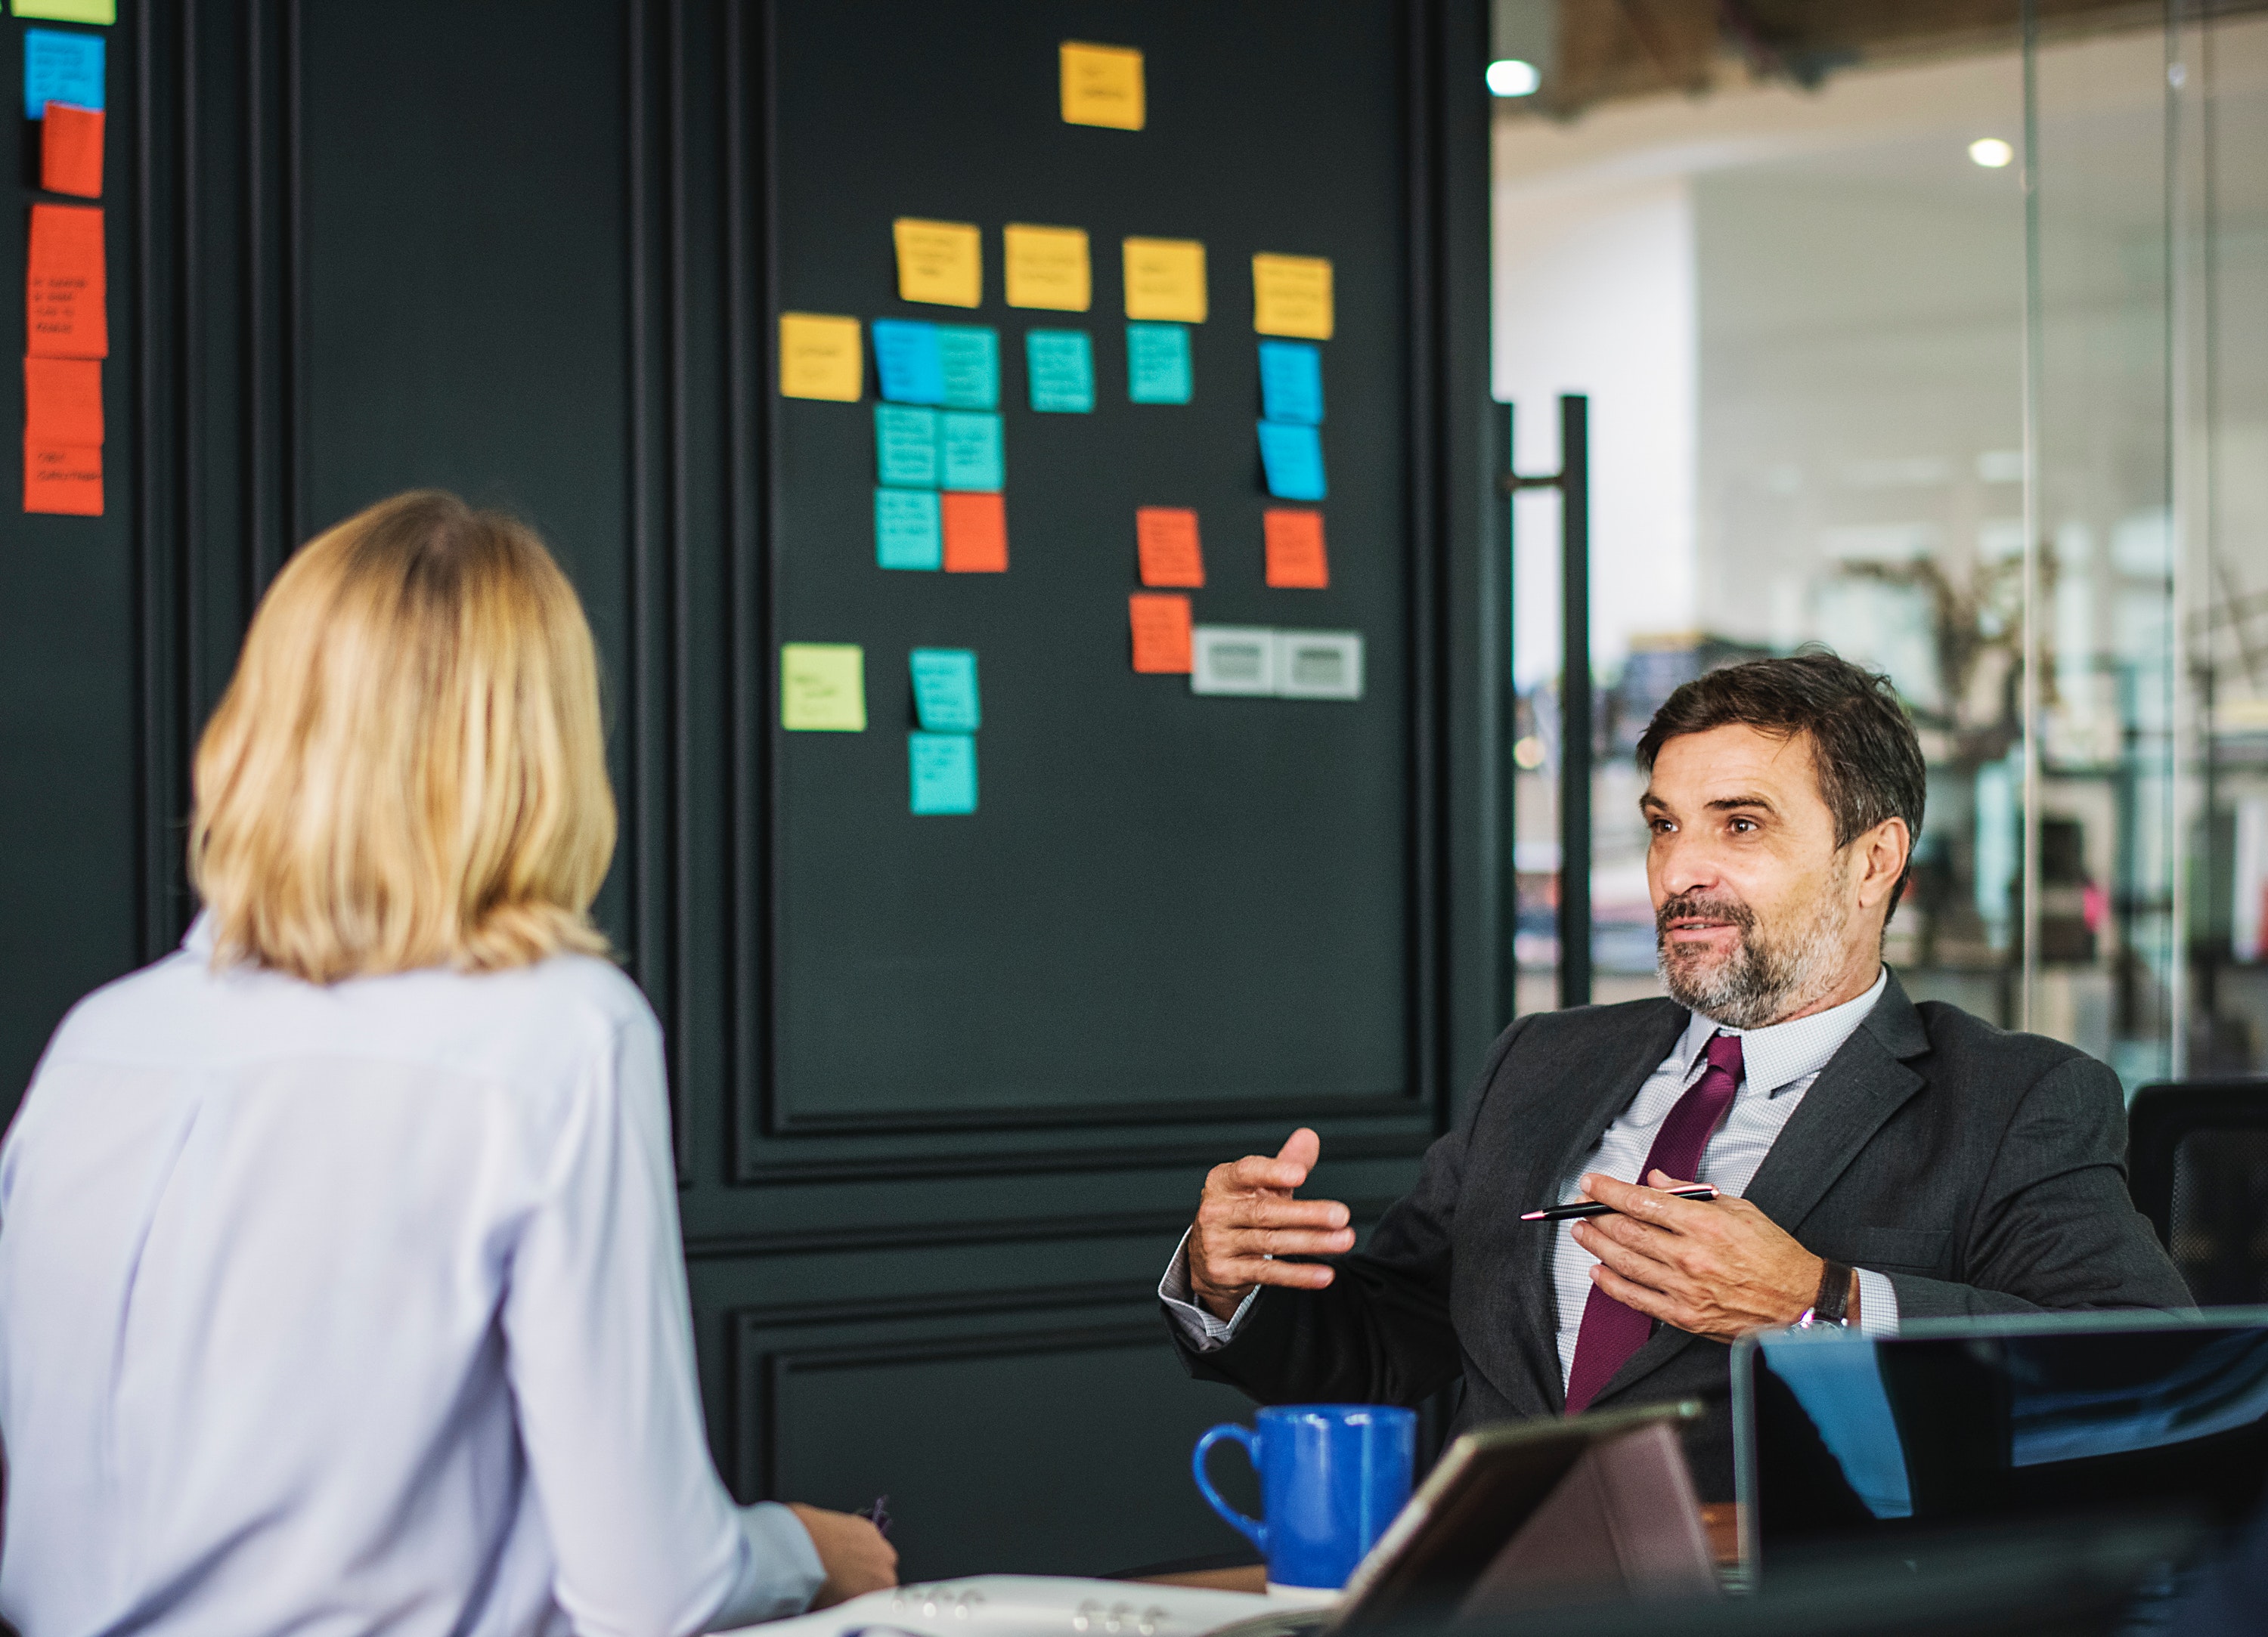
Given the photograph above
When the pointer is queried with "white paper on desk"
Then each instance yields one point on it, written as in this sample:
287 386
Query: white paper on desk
1025 1605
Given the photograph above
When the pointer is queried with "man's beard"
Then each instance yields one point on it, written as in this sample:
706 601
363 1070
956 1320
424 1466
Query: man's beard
1763 980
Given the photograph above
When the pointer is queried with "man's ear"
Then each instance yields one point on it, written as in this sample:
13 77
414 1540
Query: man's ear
1883 852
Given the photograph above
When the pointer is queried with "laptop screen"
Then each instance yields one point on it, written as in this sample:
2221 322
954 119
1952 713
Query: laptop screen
1845 1442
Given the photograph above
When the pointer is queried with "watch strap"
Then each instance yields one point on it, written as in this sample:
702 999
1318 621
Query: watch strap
1832 1304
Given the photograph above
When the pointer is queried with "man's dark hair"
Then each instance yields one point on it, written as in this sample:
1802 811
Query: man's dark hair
1869 759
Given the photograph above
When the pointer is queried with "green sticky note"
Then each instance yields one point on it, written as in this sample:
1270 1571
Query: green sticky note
970 354
822 687
905 446
973 457
1061 365
942 772
104 11
945 690
1158 363
909 529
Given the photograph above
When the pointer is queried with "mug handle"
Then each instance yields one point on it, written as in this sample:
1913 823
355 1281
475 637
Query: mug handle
1251 1529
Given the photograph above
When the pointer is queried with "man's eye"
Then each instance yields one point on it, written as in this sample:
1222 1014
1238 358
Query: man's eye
1743 825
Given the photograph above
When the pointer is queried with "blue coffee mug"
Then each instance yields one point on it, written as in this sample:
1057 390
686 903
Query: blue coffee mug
1332 1476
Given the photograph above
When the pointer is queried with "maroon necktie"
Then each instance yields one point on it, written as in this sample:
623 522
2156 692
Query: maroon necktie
1611 1332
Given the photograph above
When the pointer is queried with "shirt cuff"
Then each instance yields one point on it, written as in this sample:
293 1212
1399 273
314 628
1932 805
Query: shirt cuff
1878 1304
1205 1331
780 1570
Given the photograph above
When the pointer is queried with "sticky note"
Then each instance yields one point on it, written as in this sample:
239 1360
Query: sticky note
1232 659
63 402
969 356
63 479
1158 363
821 356
907 533
972 457
941 262
1165 279
942 769
905 446
909 365
1046 267
1162 633
1295 549
65 288
1166 542
103 11
71 151
1319 664
59 68
822 687
1291 296
975 534
1292 458
1061 366
1292 382
1102 86
945 690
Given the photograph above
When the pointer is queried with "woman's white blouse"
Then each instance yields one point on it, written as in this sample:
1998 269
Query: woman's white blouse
336 1310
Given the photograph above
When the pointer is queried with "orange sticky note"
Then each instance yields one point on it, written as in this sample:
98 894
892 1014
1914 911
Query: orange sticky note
59 478
71 151
1162 633
63 400
1165 537
975 532
64 291
1295 549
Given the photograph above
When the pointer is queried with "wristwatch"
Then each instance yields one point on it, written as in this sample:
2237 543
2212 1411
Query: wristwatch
1832 1304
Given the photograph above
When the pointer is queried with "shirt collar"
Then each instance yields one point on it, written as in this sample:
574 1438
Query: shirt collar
1775 1057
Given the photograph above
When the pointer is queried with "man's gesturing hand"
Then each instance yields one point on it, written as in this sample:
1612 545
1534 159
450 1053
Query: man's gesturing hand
1717 1267
1248 1216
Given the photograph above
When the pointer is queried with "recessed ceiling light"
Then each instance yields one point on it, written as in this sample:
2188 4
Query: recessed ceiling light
1990 152
1509 76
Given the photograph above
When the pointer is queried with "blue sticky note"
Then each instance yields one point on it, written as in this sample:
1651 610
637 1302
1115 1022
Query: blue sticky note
1292 382
1158 363
945 690
970 440
1292 457
970 356
944 769
909 529
1061 364
907 361
61 68
905 446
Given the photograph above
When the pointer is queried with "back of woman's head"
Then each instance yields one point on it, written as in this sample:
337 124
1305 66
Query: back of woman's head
408 766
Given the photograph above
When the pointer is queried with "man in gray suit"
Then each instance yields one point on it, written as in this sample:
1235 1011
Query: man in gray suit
1877 1161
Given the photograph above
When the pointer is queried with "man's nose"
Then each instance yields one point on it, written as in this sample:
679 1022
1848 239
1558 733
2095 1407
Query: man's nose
1680 865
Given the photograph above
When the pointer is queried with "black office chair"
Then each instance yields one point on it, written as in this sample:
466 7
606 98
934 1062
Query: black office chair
2197 1163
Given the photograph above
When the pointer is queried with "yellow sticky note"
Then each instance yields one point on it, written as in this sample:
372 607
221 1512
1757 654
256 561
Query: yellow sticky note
822 687
104 11
1165 279
939 261
1291 296
822 355
1102 86
1047 266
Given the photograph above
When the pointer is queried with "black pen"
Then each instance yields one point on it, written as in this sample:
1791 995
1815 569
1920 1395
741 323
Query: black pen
1591 1208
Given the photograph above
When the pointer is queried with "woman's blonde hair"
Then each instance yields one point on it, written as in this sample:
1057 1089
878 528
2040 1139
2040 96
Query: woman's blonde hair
409 767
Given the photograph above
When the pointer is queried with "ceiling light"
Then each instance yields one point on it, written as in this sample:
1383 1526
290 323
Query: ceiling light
1509 76
1990 152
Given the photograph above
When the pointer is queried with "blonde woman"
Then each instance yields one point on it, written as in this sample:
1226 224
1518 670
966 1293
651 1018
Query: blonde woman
340 1282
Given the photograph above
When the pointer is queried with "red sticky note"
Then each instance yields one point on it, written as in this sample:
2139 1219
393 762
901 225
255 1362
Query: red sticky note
71 151
1295 549
1162 633
63 402
59 478
975 532
1167 539
64 291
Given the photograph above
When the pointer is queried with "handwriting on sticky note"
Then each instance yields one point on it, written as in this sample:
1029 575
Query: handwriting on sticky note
1292 382
1102 86
63 402
102 11
941 262
1162 633
63 479
975 532
822 687
907 531
1166 544
968 357
1060 367
1292 457
1295 549
61 68
1046 267
1158 363
972 456
941 768
71 151
944 689
908 362
1291 296
822 355
65 285
1165 279
905 446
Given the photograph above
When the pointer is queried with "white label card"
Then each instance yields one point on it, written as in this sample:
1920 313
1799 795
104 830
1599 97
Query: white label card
1232 659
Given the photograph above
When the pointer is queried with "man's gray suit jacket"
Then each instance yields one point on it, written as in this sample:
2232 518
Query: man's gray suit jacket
1982 1171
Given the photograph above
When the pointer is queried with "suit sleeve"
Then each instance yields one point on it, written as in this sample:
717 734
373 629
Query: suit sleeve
2056 1228
1380 1333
